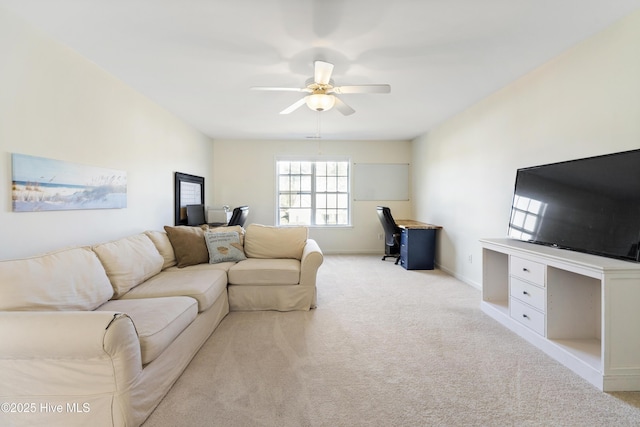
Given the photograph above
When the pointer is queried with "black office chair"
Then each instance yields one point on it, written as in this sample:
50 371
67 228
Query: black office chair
391 234
239 216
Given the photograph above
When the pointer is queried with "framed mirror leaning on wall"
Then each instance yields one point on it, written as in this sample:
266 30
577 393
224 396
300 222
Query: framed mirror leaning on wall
189 190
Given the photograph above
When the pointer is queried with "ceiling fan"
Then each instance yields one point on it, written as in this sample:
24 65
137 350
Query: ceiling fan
321 92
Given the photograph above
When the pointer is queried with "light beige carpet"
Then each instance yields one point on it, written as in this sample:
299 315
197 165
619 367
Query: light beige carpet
385 347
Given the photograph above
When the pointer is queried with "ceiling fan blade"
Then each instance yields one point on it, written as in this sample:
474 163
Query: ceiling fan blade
291 108
342 107
285 89
362 89
322 72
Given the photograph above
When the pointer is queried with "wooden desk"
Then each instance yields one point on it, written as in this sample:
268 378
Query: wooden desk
410 223
417 244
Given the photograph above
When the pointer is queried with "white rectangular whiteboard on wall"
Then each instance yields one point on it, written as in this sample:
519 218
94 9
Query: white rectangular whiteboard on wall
380 181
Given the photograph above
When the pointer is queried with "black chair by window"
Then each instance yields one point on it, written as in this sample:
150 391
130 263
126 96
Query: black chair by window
195 215
391 233
239 216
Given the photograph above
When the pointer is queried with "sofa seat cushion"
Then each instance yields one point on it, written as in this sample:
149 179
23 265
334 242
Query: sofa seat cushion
204 286
222 266
129 261
158 321
70 279
256 271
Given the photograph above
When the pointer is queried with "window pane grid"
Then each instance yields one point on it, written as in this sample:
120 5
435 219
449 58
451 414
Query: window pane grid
313 193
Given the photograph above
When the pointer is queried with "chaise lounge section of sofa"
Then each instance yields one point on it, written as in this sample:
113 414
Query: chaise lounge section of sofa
98 335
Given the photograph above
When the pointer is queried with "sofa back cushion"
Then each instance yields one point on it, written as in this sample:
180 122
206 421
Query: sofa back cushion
70 279
262 241
129 261
163 245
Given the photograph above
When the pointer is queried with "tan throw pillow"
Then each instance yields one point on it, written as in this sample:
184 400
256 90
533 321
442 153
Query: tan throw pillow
262 241
188 244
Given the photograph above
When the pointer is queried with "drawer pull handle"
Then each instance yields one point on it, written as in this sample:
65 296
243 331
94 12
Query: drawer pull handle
525 292
525 269
525 316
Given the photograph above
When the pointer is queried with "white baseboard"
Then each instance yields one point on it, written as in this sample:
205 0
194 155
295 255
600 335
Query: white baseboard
460 277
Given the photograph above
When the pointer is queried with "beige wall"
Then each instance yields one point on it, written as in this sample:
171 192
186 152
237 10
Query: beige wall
56 104
585 102
244 173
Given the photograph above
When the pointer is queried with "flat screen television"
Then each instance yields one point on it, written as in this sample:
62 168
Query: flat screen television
587 205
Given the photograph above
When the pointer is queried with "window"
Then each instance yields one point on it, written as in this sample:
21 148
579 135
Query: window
314 193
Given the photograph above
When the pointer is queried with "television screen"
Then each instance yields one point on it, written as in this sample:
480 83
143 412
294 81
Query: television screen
588 205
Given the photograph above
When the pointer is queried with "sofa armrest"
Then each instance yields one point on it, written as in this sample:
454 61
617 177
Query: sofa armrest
57 334
310 263
87 358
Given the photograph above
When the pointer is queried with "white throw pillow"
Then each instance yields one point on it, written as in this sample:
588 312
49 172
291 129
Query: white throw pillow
224 246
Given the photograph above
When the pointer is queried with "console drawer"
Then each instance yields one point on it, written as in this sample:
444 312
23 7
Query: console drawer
528 316
528 293
527 270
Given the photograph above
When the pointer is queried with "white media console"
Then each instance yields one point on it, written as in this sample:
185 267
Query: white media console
583 310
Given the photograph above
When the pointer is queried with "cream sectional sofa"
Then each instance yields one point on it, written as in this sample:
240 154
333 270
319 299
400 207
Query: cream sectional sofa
98 335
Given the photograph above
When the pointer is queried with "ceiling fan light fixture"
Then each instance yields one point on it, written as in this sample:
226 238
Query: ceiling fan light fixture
320 89
321 102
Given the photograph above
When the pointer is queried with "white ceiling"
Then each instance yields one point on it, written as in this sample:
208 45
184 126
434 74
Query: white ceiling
198 58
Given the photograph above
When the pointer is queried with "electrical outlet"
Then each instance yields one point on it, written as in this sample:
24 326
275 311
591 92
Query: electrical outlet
380 236
470 259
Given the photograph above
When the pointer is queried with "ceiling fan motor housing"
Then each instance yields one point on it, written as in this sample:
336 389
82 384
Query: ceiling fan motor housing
320 101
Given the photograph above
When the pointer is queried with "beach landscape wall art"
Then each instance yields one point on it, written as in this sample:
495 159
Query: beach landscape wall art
42 184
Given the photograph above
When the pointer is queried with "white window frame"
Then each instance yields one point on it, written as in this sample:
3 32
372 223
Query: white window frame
313 193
